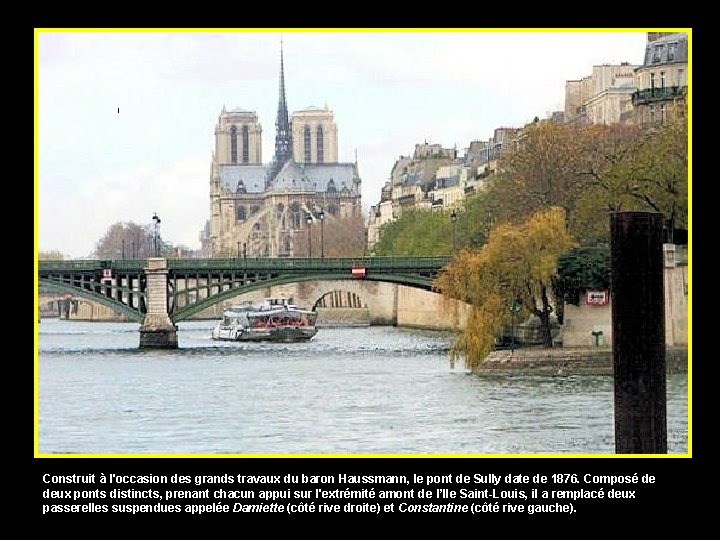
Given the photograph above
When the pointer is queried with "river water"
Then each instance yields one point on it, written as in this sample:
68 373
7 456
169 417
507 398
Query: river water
368 390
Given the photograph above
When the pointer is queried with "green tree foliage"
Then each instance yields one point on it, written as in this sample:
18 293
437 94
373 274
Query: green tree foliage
419 232
581 269
474 223
605 151
515 267
540 172
592 170
423 232
633 169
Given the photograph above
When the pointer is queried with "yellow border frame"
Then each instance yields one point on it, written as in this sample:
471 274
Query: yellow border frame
37 453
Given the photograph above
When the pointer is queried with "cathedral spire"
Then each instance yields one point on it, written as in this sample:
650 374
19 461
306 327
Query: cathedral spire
283 131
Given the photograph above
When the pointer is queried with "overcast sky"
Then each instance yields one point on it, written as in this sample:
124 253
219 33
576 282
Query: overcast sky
388 90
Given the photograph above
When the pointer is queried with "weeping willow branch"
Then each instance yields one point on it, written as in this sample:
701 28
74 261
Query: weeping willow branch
511 269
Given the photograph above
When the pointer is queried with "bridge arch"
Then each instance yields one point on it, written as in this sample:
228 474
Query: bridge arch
172 290
339 298
132 314
377 298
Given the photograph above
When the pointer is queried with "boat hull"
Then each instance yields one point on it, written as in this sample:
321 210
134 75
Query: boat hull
275 320
282 335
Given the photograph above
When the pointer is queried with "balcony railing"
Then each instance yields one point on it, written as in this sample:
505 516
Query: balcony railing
662 93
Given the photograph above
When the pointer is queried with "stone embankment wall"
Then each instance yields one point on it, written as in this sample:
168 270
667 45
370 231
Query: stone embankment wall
91 311
417 308
329 317
77 309
566 361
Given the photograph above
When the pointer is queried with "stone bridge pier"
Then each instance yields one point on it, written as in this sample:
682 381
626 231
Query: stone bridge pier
157 330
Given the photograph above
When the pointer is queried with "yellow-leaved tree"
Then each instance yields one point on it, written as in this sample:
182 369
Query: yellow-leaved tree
513 270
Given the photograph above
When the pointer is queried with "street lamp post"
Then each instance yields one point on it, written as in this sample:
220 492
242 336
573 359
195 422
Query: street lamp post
308 218
156 219
453 219
321 217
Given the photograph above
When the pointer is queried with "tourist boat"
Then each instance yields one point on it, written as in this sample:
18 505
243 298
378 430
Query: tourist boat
275 320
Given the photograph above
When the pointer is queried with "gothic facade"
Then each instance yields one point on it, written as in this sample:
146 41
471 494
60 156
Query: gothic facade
280 208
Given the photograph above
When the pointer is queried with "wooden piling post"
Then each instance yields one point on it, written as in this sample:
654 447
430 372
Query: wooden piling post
638 322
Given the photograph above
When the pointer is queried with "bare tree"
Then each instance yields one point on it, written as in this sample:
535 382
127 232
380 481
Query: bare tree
126 240
52 255
336 237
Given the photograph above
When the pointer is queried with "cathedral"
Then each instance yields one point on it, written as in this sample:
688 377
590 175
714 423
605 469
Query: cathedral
303 203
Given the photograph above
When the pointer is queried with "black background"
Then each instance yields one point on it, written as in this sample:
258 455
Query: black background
682 483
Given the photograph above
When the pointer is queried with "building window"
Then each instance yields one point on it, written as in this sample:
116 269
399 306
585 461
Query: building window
246 145
240 213
320 146
331 186
662 79
233 144
295 216
657 53
306 144
652 80
681 78
672 47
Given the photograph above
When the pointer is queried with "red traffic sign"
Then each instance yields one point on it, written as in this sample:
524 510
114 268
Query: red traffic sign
358 270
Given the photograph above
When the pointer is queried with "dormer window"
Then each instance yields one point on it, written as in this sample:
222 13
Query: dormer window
657 53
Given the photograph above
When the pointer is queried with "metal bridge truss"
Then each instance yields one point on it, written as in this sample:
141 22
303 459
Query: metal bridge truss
196 284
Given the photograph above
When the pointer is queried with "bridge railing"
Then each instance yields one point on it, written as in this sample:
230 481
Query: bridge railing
91 265
255 264
310 264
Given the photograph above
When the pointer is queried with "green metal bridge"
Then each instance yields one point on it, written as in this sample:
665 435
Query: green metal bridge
196 284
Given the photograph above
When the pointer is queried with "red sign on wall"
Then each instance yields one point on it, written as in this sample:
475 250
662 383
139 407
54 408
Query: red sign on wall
358 270
596 298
